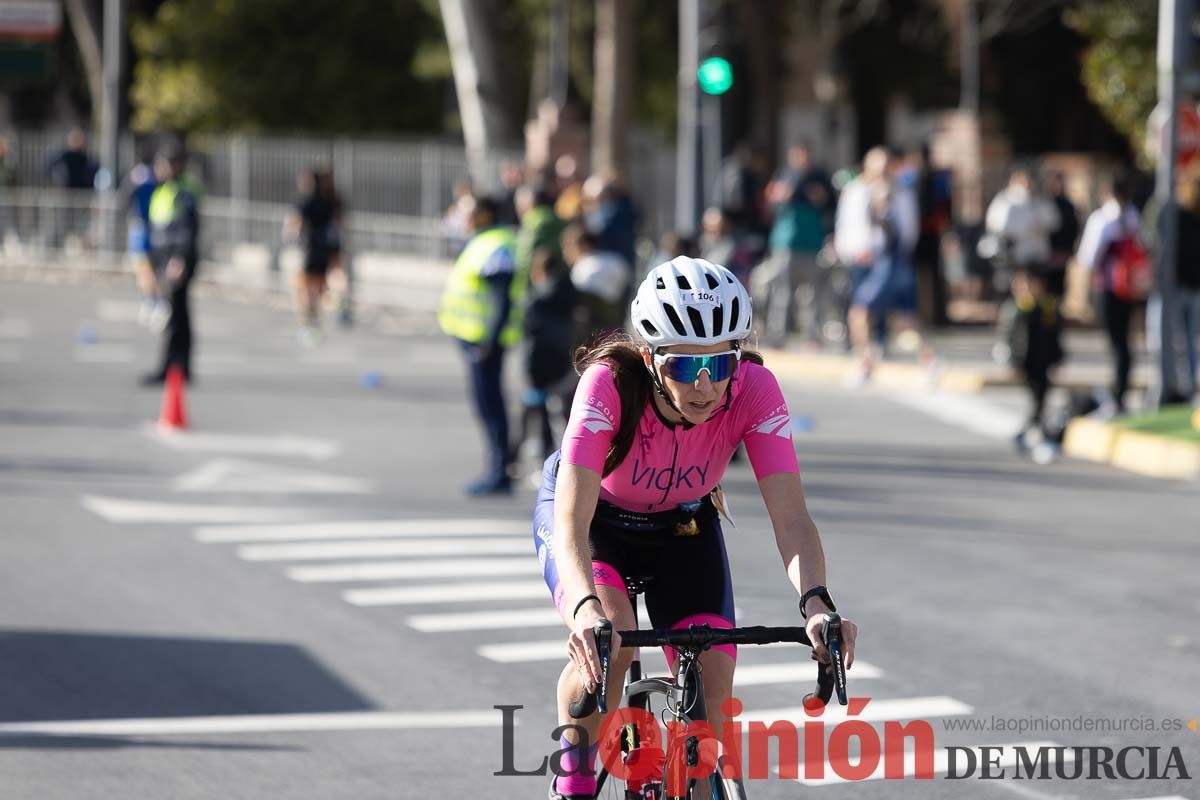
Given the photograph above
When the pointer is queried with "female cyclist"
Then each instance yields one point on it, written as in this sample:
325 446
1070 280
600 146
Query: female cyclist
633 492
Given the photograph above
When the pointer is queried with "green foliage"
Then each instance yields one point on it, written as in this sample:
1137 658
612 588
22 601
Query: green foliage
313 65
1118 66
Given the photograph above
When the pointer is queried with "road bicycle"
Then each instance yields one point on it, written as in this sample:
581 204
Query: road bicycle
683 697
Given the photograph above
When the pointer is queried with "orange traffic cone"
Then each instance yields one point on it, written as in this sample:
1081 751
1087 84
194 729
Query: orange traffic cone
173 415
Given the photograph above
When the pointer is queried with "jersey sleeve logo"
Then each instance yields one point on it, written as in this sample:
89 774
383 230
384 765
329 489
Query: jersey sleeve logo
778 425
595 420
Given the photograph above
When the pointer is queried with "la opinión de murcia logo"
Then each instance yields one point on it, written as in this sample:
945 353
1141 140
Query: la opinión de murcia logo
805 746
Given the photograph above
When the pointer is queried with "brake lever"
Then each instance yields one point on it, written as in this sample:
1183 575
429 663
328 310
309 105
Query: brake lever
831 632
603 631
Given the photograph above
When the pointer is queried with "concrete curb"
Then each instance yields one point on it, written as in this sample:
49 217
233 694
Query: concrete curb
1133 451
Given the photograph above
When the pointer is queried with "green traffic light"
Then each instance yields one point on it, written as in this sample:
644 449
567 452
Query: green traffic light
715 75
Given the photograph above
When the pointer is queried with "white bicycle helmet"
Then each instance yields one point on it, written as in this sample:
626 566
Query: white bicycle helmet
691 301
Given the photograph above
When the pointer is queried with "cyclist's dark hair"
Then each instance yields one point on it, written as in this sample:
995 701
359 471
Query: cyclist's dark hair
622 355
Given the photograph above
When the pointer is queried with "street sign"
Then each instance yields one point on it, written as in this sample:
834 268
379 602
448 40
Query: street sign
30 20
1188 126
715 75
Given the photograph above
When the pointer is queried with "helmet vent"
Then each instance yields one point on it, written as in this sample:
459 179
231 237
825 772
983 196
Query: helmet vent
729 278
683 282
660 284
718 318
649 329
697 321
712 282
675 320
733 315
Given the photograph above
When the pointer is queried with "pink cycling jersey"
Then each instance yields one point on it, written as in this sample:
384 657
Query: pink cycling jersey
668 465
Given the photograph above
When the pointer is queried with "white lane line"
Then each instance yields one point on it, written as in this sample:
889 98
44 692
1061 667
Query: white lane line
483 620
1164 797
941 759
447 593
554 649
236 475
419 568
103 354
876 711
795 672
119 510
385 548
364 529
248 444
257 723
971 413
16 328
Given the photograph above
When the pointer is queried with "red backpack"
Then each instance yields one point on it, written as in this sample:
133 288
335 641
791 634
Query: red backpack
1130 273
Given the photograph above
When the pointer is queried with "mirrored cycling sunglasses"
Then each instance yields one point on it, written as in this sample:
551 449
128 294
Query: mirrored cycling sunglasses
687 369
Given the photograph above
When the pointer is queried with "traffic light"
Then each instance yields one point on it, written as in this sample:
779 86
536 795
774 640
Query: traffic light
714 76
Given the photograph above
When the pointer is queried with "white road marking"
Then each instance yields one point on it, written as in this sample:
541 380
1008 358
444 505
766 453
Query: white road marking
969 412
483 620
447 593
16 328
103 354
117 310
555 649
249 444
418 568
236 475
363 529
800 673
119 510
1008 758
385 548
876 711
257 723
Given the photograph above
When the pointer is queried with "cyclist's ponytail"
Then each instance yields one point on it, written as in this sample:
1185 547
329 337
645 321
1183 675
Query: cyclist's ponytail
634 386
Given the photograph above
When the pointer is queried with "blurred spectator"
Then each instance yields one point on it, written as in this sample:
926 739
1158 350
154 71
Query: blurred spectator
670 245
1107 249
799 197
456 219
8 169
569 205
740 188
511 177
719 245
174 239
73 167
1030 334
540 227
481 309
610 216
1062 237
338 276
602 279
1021 221
935 203
1179 353
139 188
549 338
315 220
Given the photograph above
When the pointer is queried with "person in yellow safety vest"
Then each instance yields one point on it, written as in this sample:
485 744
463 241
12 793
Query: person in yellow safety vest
174 231
481 308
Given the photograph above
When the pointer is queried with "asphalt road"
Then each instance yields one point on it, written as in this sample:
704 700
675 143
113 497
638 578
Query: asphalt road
293 600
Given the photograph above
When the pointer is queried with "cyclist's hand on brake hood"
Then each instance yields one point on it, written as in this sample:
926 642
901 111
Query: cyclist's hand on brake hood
581 645
820 652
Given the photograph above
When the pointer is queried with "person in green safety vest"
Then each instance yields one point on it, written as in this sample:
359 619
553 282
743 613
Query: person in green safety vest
174 233
481 308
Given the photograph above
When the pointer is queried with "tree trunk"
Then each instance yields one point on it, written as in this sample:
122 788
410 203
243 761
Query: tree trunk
84 16
612 103
487 120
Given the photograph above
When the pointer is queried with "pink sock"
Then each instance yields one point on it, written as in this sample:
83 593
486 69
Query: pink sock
581 777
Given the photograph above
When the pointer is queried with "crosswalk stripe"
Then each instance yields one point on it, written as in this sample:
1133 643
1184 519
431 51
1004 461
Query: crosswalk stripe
419 568
483 620
876 711
385 548
103 354
119 510
256 723
314 448
795 672
447 593
554 649
1008 758
15 328
362 529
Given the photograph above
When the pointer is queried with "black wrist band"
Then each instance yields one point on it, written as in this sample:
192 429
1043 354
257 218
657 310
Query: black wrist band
816 591
579 605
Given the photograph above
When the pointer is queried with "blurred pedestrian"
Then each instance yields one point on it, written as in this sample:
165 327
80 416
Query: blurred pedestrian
456 219
935 204
602 279
610 216
313 220
1179 353
740 188
549 341
670 245
1063 237
720 245
1111 252
153 309
174 243
74 169
1030 333
338 277
481 309
1022 220
569 203
540 226
511 177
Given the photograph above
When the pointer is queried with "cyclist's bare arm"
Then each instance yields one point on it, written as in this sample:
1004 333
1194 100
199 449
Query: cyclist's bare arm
799 545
